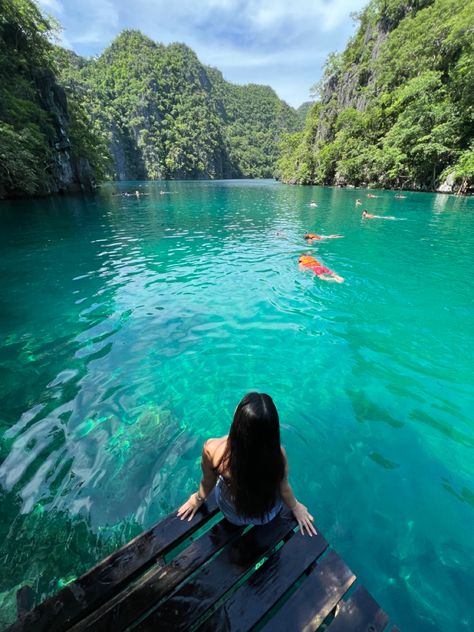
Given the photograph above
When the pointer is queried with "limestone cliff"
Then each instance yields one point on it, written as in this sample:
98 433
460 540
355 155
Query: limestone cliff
396 107
65 172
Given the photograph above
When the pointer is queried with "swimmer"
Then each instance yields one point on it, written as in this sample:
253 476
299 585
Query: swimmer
310 237
313 204
400 197
164 192
358 202
325 274
366 215
371 195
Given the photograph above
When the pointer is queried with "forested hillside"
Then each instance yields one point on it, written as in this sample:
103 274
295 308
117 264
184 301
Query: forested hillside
46 144
141 110
396 108
168 116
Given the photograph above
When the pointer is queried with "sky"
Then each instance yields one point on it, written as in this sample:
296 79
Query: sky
281 43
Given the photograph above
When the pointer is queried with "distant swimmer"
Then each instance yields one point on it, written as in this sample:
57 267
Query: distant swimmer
325 274
400 197
371 195
366 215
358 202
130 194
313 204
164 193
310 237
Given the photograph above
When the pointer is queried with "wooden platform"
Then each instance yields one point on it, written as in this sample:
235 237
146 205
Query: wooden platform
209 575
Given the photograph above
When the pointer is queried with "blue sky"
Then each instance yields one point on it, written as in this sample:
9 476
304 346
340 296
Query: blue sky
282 43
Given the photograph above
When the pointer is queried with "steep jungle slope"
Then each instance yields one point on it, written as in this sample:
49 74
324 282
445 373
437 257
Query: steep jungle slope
46 145
396 107
168 116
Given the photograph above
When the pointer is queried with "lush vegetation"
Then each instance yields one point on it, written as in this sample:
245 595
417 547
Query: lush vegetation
140 110
396 107
168 116
44 145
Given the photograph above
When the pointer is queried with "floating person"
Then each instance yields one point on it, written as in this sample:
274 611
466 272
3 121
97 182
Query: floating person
358 202
313 204
310 237
325 274
366 215
164 192
248 469
136 194
400 197
371 195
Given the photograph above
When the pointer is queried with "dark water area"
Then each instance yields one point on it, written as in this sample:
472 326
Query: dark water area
130 328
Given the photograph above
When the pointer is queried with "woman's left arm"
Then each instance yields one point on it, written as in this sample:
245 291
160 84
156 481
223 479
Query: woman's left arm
208 481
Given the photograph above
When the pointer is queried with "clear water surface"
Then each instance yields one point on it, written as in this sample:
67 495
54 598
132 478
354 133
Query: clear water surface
130 328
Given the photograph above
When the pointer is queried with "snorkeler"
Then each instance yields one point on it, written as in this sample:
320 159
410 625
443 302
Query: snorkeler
366 215
325 274
310 237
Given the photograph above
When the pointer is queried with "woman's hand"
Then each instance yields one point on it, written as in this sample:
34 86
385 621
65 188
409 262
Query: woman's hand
188 510
304 519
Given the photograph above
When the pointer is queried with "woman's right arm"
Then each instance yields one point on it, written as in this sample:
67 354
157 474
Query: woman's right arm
207 484
300 512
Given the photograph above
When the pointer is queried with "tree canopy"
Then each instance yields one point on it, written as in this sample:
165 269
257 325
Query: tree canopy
397 106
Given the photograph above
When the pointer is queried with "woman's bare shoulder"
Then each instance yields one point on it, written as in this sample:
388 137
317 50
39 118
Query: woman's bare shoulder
214 448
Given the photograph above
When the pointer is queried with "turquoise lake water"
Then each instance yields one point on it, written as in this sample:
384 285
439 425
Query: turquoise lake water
131 328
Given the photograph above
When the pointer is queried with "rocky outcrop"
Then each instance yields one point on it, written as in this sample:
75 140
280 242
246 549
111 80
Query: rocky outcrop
66 173
447 186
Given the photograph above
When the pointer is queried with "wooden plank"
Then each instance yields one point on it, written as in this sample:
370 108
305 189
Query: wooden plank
25 599
263 589
319 593
104 580
360 613
135 600
195 597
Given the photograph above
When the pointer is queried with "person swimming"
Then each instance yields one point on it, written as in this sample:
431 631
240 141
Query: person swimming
136 194
310 237
307 262
358 202
313 204
371 195
366 215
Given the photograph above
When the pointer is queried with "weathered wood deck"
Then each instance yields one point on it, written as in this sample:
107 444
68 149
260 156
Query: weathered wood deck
209 575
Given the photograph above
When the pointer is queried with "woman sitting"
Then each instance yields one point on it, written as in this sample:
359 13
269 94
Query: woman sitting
248 469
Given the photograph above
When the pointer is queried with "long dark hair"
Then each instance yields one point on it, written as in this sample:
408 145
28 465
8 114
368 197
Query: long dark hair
253 455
